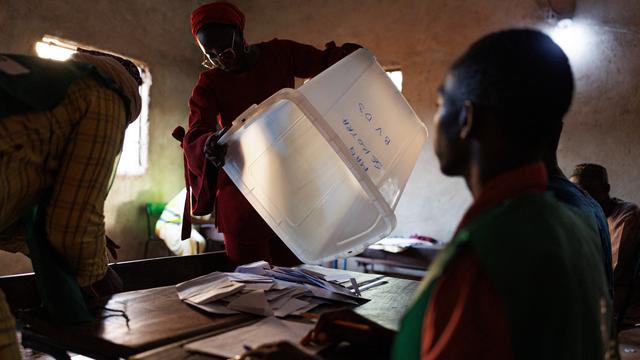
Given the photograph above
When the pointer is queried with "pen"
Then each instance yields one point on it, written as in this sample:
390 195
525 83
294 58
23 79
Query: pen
372 285
354 283
345 323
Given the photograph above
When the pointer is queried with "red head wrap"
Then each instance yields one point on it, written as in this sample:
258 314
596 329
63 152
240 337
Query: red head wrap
218 12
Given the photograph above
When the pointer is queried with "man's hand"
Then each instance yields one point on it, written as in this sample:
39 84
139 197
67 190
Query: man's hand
331 329
110 284
348 48
215 152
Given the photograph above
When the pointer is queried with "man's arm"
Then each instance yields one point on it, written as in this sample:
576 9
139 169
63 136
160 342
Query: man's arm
201 173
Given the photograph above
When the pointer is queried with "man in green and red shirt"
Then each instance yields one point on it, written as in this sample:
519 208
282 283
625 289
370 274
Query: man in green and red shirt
523 277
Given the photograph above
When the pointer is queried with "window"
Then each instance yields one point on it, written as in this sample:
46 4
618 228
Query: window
396 76
133 157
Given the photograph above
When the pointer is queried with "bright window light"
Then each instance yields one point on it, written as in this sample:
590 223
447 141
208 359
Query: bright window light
133 157
396 77
51 51
572 37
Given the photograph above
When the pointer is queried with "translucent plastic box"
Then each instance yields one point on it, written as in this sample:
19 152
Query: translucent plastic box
325 165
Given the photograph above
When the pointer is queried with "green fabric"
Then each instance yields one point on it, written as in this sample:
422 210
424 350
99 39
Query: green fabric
555 297
153 211
407 341
58 289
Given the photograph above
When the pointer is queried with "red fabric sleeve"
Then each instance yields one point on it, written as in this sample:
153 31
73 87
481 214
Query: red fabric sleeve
307 61
465 318
202 175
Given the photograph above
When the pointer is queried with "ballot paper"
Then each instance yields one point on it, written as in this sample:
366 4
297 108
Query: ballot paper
257 268
342 276
329 295
398 245
214 308
208 288
259 289
292 305
266 331
253 302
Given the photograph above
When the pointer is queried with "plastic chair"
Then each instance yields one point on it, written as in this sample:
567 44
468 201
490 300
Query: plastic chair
153 212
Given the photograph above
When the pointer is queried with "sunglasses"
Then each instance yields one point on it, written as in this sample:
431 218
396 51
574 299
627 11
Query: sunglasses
212 61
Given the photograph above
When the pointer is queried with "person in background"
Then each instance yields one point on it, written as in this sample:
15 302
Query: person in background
238 75
569 193
522 277
62 125
168 228
624 225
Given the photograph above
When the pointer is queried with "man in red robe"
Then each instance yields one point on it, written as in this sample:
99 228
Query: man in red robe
239 75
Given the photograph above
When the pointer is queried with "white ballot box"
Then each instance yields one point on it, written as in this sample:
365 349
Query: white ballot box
325 165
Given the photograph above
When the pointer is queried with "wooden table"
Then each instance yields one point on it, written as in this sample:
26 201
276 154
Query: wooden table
159 323
388 303
156 317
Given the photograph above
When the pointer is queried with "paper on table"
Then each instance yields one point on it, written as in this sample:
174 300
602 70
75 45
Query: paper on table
275 294
279 302
281 284
290 307
304 309
207 288
361 278
257 268
223 290
248 277
294 290
328 294
214 308
258 286
254 302
266 331
195 286
227 293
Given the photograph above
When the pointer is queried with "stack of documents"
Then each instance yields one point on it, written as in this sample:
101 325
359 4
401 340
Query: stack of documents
259 289
266 331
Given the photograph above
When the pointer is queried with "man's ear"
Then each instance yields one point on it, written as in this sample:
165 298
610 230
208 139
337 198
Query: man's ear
466 119
607 188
